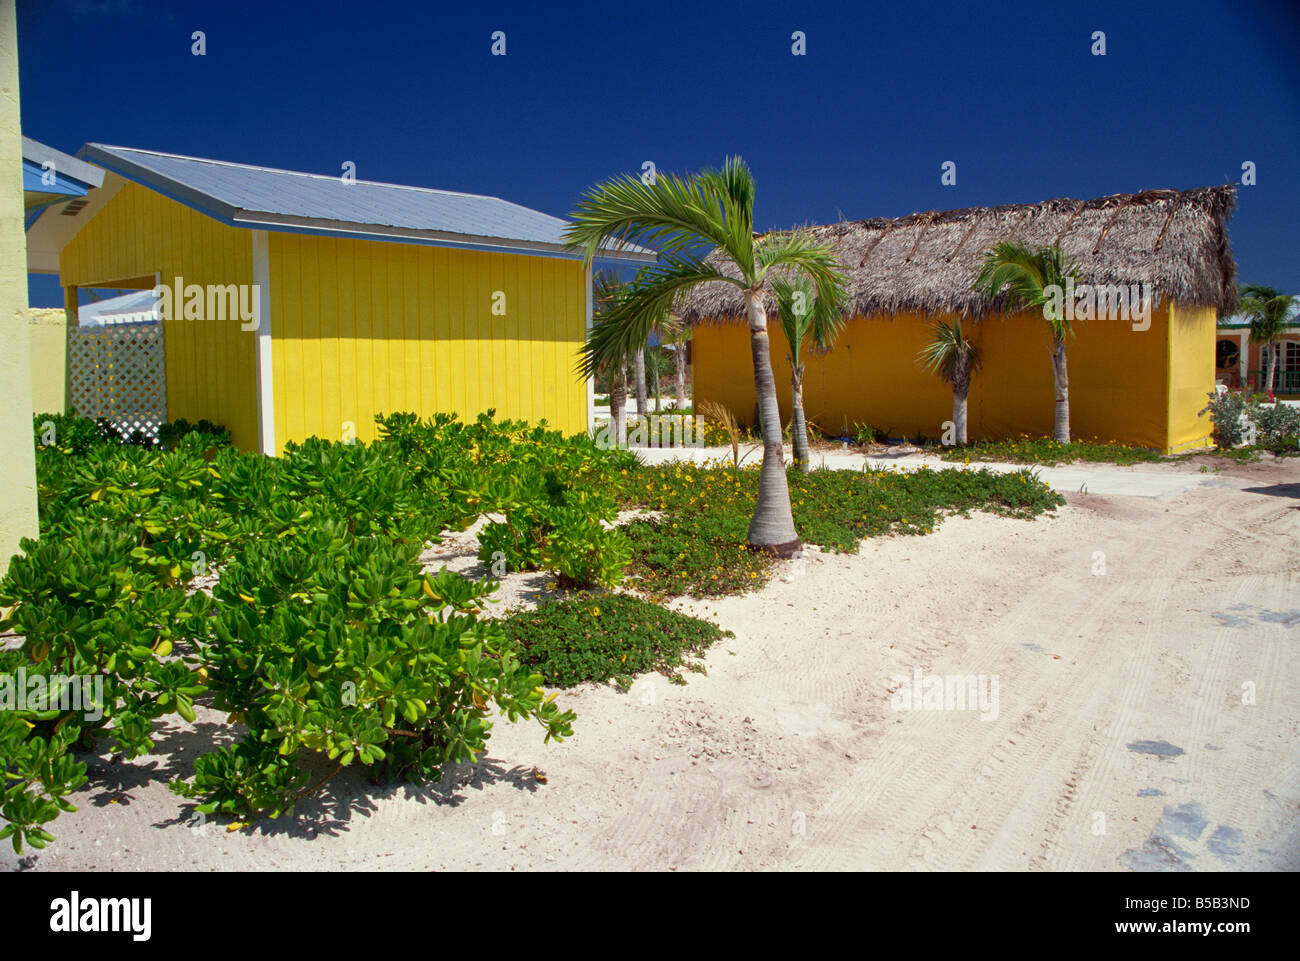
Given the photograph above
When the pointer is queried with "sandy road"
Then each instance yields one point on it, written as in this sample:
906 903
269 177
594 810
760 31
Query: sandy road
1146 720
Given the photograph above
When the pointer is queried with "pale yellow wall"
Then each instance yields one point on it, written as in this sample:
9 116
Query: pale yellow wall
17 446
211 369
366 327
1191 376
1119 378
49 334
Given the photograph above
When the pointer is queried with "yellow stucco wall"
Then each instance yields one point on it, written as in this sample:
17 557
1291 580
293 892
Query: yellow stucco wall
49 348
1120 383
211 369
365 327
1191 375
17 446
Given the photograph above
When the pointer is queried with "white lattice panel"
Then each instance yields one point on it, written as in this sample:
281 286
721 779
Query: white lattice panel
117 372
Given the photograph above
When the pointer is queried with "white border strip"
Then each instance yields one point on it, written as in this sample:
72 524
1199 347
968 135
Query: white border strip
265 372
591 381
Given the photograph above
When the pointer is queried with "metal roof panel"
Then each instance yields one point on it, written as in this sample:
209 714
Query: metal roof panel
256 196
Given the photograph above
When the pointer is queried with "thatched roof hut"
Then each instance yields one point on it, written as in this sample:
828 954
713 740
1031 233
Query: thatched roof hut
1176 241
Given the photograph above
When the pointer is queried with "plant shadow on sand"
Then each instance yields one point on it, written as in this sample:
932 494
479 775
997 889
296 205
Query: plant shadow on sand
348 795
113 780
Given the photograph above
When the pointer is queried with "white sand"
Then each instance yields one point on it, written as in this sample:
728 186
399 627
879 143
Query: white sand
788 754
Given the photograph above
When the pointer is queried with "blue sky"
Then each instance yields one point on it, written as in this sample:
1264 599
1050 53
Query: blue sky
858 127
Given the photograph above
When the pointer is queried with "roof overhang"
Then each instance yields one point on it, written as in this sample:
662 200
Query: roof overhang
53 228
61 164
52 178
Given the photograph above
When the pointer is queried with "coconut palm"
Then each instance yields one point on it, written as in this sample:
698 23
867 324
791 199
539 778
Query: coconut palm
804 324
1265 309
605 288
683 217
681 334
656 365
1037 278
638 371
954 357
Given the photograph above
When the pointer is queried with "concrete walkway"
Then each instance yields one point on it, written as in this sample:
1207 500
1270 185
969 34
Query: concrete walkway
1157 481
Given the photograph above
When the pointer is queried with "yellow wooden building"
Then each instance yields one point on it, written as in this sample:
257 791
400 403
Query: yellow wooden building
1135 379
300 305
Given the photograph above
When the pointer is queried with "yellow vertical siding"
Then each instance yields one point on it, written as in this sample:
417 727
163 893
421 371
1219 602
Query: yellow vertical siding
211 370
389 327
1125 385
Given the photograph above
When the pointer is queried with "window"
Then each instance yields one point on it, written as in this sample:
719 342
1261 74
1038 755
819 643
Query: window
1226 354
1286 354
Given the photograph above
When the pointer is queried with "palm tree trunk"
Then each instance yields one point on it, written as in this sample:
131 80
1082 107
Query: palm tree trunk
798 426
1270 368
679 364
638 368
1061 381
772 527
960 391
618 404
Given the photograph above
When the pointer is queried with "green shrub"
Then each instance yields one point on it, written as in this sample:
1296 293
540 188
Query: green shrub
208 434
339 645
324 540
1226 411
1277 427
1241 418
87 606
69 434
38 775
606 637
516 542
582 551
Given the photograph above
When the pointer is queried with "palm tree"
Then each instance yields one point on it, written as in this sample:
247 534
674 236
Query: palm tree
638 368
1037 278
605 288
1266 311
954 358
656 365
803 321
683 217
678 339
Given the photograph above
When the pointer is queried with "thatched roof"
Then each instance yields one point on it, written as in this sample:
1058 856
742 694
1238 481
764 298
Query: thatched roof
1177 241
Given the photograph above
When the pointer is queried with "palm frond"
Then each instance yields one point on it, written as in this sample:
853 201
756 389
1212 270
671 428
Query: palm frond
639 307
790 254
673 214
945 353
1027 275
1265 309
804 316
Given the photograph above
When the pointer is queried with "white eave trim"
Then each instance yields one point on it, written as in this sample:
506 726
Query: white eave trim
265 370
271 221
